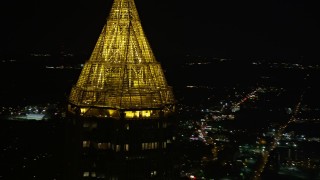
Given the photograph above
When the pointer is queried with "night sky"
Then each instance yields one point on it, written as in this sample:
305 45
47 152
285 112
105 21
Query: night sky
224 28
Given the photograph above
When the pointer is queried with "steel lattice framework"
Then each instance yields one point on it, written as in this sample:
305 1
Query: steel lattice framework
122 72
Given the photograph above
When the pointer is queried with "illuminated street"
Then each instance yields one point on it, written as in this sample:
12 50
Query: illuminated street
275 142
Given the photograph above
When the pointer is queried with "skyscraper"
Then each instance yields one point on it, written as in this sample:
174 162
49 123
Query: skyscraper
121 108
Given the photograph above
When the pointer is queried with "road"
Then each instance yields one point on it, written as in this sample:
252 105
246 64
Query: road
273 145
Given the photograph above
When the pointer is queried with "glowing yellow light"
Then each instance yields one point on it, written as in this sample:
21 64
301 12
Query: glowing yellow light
122 72
83 110
136 83
85 144
145 113
85 174
138 114
126 147
131 114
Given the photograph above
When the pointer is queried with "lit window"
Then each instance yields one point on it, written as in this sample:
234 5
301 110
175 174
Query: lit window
117 148
132 114
146 113
85 174
102 145
153 173
112 113
85 144
150 145
138 114
126 147
84 110
93 174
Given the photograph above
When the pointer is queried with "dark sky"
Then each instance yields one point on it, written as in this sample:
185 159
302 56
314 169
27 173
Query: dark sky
216 28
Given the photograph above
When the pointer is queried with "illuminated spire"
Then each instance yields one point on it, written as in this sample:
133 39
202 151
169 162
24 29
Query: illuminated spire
122 72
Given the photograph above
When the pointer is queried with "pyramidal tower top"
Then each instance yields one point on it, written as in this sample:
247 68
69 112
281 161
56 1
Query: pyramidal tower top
122 73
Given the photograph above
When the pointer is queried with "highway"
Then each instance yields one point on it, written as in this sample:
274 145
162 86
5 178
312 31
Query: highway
273 145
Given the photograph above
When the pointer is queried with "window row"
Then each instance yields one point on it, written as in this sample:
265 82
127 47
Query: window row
125 147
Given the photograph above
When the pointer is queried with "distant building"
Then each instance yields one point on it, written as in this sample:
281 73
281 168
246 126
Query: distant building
121 110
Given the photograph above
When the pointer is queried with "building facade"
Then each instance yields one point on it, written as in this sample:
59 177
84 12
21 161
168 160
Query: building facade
121 110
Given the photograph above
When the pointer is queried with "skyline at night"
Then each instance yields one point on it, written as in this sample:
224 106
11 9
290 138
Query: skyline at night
159 90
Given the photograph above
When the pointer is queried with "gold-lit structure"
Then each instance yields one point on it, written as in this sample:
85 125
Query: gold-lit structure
121 110
122 72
